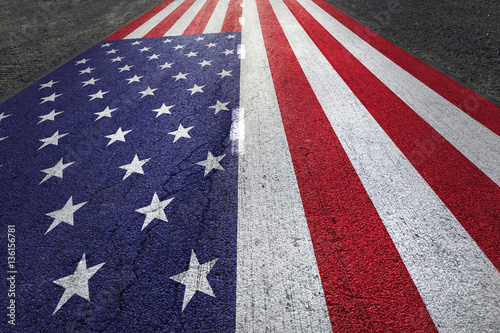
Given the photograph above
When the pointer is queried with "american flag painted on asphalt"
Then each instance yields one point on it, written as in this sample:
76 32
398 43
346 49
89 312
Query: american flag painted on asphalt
266 165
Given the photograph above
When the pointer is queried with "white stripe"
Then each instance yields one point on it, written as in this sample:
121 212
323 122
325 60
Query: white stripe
214 25
278 283
237 133
475 141
154 21
459 285
183 22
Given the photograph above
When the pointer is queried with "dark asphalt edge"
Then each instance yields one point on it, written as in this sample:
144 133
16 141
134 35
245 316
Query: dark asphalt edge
71 46
477 76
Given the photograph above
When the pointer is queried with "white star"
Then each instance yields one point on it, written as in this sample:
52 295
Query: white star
168 40
3 116
136 42
5 137
49 116
56 170
134 166
104 113
53 140
192 54
195 279
100 94
181 133
219 106
86 70
178 47
118 136
211 45
166 65
154 56
196 89
180 76
50 98
106 45
64 214
228 52
134 79
125 68
117 59
200 38
212 162
154 211
224 73
148 91
92 81
144 49
205 63
163 110
48 84
77 283
112 51
83 61
231 36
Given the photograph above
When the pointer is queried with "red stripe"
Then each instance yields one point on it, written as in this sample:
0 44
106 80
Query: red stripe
129 28
468 193
197 26
366 284
479 108
161 28
232 20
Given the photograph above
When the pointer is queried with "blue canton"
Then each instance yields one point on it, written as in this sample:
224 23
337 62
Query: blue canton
119 173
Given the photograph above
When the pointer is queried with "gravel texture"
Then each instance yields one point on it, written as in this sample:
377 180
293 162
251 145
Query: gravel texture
458 37
38 36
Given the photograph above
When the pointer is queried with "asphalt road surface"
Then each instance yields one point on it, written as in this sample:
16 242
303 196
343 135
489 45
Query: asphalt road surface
350 186
459 38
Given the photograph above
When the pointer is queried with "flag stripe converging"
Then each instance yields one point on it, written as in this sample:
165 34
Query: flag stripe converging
233 16
184 17
345 228
337 184
445 169
480 146
484 111
199 23
216 21
278 283
143 29
168 22
380 164
181 25
138 22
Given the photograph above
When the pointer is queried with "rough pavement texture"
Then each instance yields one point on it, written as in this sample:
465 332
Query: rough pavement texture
459 37
36 37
